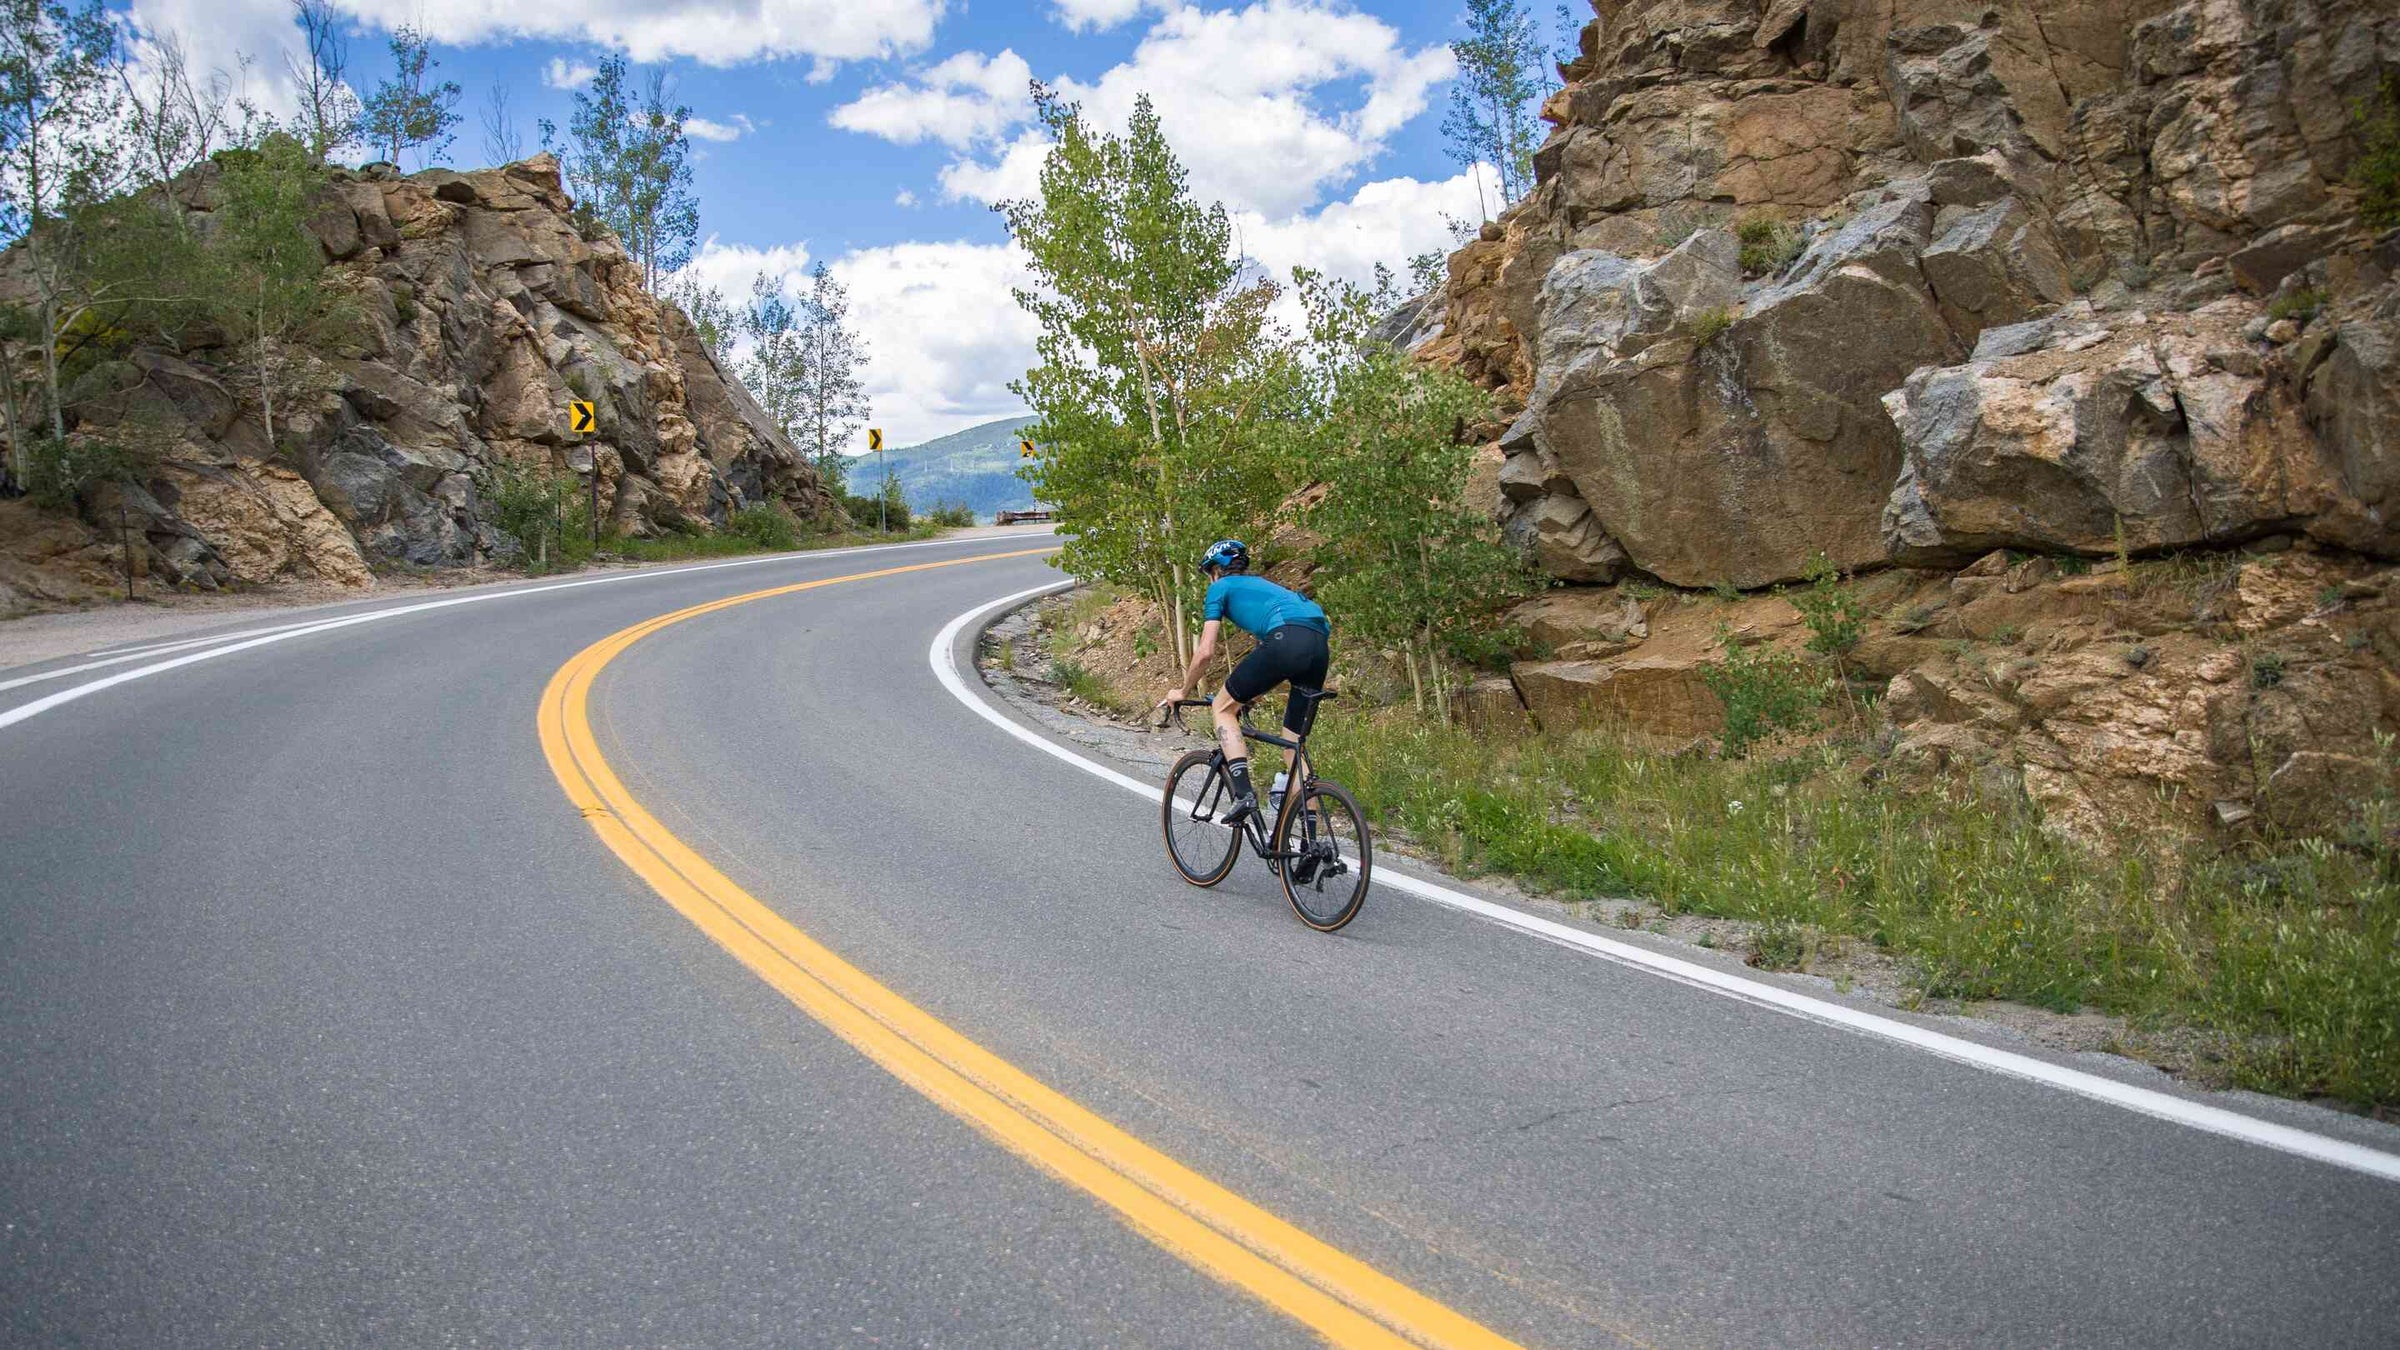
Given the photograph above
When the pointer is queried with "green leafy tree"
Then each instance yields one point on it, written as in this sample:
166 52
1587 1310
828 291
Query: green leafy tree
1502 76
1407 562
57 65
1158 362
829 401
712 315
629 160
408 111
268 284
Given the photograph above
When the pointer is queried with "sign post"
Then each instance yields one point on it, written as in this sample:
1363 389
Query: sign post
883 501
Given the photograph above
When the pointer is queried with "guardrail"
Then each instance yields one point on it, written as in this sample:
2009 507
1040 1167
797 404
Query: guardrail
1021 517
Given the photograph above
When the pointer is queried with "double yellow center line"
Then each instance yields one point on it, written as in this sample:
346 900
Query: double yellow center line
1341 1298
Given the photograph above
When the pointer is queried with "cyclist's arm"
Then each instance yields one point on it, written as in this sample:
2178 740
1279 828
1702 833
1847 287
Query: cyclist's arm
1201 656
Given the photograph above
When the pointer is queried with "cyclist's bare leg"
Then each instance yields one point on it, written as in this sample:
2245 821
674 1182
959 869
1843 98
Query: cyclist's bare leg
1227 713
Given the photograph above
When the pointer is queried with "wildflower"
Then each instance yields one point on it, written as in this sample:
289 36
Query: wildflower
1733 808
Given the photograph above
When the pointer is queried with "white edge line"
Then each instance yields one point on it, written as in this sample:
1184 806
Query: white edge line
260 637
2146 1101
137 653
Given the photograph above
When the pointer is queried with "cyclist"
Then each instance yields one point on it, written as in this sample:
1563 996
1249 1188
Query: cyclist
1293 645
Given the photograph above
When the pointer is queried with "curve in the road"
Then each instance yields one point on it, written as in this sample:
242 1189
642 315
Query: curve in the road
2145 1101
1334 1294
229 644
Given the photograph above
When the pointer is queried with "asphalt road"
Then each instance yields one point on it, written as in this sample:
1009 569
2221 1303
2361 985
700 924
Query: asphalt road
326 1020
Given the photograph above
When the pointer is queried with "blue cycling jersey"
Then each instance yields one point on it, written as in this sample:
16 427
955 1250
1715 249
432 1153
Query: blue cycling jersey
1258 606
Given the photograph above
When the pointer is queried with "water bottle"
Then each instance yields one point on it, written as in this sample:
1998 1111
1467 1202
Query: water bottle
1275 793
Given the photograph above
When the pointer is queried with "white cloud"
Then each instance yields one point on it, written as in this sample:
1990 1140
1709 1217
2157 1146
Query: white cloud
1386 222
964 101
1016 174
1267 105
218 36
729 268
904 198
944 337
943 334
700 128
717 32
1096 15
562 74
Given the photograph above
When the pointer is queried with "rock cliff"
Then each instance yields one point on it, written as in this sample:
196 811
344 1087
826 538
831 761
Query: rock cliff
1915 283
482 311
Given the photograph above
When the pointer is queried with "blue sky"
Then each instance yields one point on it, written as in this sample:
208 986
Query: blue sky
874 134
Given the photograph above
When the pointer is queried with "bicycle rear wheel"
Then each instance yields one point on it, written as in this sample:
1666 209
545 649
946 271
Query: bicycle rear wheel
1326 879
1197 797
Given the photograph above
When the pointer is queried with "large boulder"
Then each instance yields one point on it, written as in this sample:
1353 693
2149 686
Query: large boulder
2095 433
1723 448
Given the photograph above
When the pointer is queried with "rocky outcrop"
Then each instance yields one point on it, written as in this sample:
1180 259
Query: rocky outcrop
481 311
1907 181
2089 433
2214 695
1974 302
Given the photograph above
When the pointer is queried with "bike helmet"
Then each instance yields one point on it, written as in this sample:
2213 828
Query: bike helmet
1231 554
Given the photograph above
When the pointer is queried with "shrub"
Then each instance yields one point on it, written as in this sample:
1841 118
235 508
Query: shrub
954 515
1781 945
1835 618
1079 681
1768 245
2299 306
1709 325
2266 670
543 510
2376 171
1764 691
58 472
764 524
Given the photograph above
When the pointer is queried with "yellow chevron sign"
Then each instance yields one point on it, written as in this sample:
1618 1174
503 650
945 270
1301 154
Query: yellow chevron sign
580 417
1025 449
874 438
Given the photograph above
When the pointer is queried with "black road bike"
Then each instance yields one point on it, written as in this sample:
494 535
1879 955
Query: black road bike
1317 842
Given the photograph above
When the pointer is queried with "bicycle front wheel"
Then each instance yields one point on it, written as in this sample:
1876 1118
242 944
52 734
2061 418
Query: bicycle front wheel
1327 857
1191 817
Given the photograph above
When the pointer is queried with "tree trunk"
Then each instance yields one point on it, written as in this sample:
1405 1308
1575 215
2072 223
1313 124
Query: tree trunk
266 388
17 461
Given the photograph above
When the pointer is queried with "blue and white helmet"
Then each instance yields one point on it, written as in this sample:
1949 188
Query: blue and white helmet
1231 554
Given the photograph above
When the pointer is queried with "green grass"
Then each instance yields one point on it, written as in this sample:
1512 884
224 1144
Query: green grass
1073 677
2280 955
1768 245
2300 306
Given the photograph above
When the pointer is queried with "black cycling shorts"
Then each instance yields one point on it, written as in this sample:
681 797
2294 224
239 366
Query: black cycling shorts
1296 652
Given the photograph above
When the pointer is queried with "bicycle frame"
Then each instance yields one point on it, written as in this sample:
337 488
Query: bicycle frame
1298 778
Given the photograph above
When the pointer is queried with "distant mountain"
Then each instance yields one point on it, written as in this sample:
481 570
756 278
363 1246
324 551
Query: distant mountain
977 466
